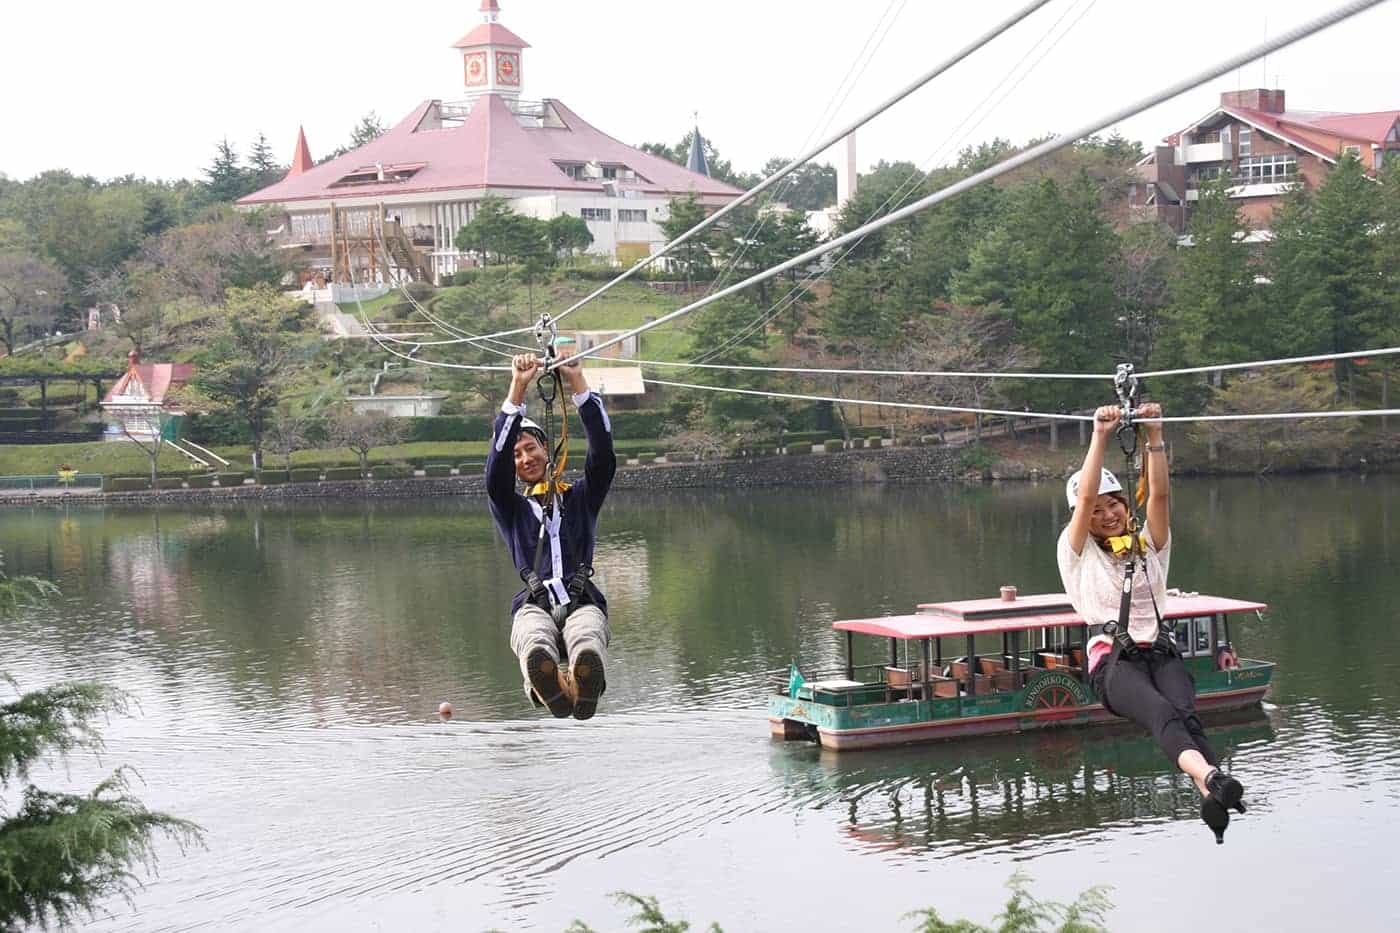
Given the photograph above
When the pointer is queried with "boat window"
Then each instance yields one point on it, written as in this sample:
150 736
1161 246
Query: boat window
1183 636
1202 633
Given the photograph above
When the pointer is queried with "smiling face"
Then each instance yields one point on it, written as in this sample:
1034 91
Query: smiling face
1110 516
530 459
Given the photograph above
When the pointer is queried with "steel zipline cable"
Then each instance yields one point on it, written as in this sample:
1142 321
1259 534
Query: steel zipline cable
817 149
910 184
1025 157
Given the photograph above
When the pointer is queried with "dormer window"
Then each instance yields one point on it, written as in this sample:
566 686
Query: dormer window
575 170
379 174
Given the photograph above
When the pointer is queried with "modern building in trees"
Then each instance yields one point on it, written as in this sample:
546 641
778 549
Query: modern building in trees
1264 148
398 201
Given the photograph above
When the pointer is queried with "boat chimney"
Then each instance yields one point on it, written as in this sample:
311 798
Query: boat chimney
1008 594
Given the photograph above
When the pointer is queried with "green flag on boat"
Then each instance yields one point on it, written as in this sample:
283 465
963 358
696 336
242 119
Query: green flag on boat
795 680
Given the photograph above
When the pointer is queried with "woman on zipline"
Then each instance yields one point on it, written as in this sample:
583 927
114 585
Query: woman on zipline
1137 671
550 535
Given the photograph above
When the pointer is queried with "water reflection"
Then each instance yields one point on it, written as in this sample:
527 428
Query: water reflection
1037 791
289 662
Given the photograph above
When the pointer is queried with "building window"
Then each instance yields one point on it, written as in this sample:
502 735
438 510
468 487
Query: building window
609 171
596 213
574 170
631 216
1246 140
1267 170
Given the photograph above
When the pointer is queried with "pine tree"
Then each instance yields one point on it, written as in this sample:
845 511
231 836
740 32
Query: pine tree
263 168
1324 260
1048 266
1214 311
61 855
227 180
367 130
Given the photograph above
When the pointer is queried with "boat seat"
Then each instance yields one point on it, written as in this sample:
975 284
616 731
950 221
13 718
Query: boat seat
990 665
1063 662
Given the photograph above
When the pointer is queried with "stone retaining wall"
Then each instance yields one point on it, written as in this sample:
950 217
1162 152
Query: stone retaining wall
888 465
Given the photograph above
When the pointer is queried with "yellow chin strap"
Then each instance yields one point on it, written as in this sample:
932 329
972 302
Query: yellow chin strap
540 489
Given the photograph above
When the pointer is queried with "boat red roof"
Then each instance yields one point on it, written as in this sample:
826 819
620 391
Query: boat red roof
489 149
971 617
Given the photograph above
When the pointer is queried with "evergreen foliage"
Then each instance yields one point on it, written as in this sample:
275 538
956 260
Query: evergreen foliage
62 854
1326 289
1023 913
1215 309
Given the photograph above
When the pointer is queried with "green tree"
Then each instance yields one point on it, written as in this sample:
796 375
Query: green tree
1214 312
62 854
809 187
568 235
1324 260
367 130
225 179
1048 267
31 290
1387 257
249 358
263 167
695 256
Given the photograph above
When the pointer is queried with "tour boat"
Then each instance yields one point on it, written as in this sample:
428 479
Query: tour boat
1000 665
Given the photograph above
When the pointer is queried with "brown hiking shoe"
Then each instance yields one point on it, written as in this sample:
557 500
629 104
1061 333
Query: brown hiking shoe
589 683
547 681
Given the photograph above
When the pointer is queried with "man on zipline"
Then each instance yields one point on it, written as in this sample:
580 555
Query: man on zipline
550 535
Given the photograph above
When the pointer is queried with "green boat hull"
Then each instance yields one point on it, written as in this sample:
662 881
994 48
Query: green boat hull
866 716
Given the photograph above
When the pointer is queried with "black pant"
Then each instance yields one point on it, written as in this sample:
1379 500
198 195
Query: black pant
1155 691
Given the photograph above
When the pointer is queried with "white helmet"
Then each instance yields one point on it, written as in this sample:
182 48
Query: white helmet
1107 483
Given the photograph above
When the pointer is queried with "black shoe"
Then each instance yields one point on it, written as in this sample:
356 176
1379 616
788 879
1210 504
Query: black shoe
544 680
1216 817
587 672
1227 790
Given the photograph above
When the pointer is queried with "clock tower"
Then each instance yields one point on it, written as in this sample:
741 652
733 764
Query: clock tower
491 56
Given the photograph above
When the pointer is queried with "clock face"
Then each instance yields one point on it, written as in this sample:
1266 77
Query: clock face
476 68
507 68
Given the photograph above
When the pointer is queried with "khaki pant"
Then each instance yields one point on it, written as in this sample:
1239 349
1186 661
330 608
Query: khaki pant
585 628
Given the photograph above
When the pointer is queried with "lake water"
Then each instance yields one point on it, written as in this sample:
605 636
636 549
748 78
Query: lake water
289 662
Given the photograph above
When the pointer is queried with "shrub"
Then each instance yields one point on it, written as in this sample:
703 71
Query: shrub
465 277
232 479
217 429
201 481
128 483
339 474
305 475
857 442
272 477
390 471
170 482
803 447
468 467
646 456
928 440
678 456
831 445
980 459
438 469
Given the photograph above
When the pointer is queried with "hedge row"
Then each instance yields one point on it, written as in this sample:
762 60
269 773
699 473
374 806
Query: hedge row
223 431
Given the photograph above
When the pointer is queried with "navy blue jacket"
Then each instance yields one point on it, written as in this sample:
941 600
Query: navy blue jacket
518 517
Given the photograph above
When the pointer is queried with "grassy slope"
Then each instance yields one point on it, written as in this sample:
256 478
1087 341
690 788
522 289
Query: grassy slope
624 306
101 457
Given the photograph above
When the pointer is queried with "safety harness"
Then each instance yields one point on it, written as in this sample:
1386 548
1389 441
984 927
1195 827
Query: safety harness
553 595
1134 543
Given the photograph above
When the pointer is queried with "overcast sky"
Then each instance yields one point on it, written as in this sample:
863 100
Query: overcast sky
149 87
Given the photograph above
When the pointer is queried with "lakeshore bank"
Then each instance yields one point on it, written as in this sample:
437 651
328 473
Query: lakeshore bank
897 465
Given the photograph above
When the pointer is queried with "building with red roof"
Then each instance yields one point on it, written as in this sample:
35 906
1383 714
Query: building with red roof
398 201
1263 148
139 404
